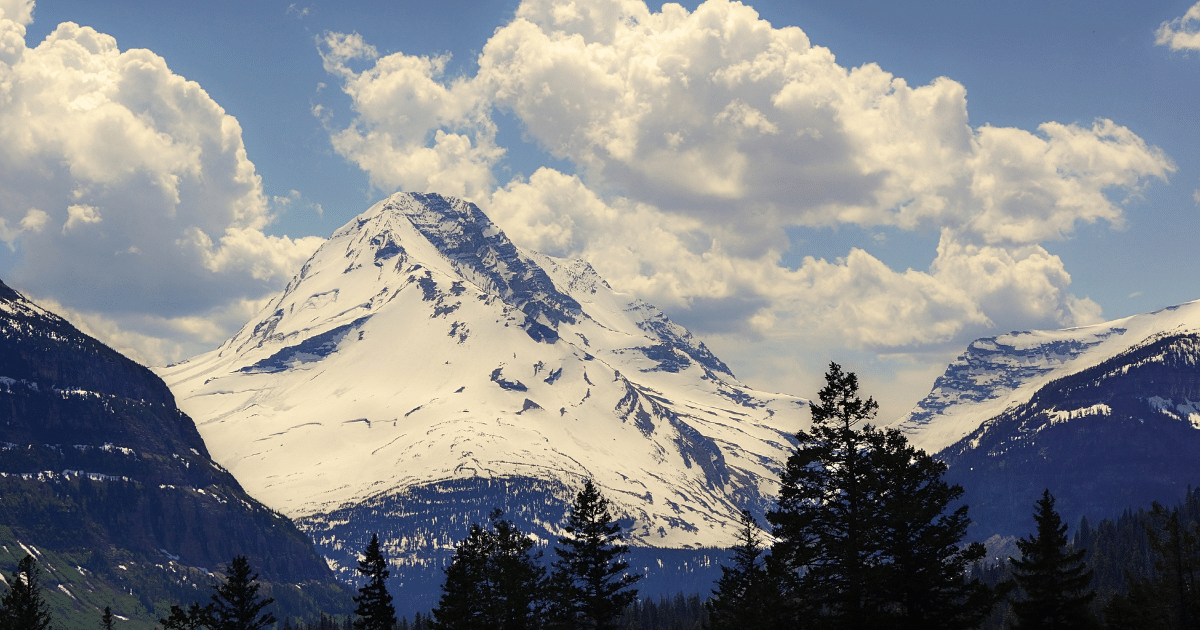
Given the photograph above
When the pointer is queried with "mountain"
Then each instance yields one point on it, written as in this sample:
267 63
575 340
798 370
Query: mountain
1105 416
421 370
111 488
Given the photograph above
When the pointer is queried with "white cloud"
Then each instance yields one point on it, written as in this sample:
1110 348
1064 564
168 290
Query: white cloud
1182 33
710 132
161 212
858 300
400 103
155 340
18 11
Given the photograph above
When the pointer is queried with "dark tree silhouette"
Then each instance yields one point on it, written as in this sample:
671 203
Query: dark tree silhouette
862 534
194 618
106 620
924 566
236 604
493 582
375 610
24 607
1054 580
747 597
589 582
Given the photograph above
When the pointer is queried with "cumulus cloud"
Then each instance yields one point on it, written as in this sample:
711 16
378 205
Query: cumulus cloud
125 187
698 137
400 102
1182 33
682 265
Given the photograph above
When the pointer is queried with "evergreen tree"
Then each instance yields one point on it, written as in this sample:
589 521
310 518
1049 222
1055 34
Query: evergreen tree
924 565
194 618
375 610
236 604
862 535
746 597
24 607
826 511
589 581
493 581
1054 580
1169 598
106 620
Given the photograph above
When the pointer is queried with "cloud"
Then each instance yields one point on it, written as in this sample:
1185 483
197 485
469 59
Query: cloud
125 187
400 102
1182 33
681 264
698 137
18 11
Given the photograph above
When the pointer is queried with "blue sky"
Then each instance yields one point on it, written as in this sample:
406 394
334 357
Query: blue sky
935 211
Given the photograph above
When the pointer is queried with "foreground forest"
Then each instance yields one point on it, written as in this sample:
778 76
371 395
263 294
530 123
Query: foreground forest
865 534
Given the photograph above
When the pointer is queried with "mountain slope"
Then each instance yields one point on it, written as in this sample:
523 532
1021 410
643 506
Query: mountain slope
1116 435
97 464
995 374
421 370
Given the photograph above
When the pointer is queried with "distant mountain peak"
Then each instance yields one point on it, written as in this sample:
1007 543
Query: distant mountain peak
420 350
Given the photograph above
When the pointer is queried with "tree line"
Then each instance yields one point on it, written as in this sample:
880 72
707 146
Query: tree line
865 534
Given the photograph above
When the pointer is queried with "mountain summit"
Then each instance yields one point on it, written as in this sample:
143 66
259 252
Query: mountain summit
421 370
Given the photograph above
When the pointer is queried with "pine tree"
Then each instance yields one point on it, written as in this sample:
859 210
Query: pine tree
746 597
106 620
589 579
375 610
924 565
862 535
493 581
1055 581
827 511
236 604
24 607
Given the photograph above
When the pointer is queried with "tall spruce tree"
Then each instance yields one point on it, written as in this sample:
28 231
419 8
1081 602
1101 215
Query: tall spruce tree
1055 580
375 610
589 580
24 607
826 511
106 620
924 566
235 603
747 597
494 581
862 533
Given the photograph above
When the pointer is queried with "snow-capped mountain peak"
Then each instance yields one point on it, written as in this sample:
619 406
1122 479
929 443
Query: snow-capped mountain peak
419 350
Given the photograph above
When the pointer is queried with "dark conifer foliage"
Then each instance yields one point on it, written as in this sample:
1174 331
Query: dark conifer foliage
861 530
194 618
1055 580
746 597
924 566
24 607
1167 597
589 583
107 620
493 582
375 610
236 604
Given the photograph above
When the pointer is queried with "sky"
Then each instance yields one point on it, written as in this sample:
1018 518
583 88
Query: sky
803 181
